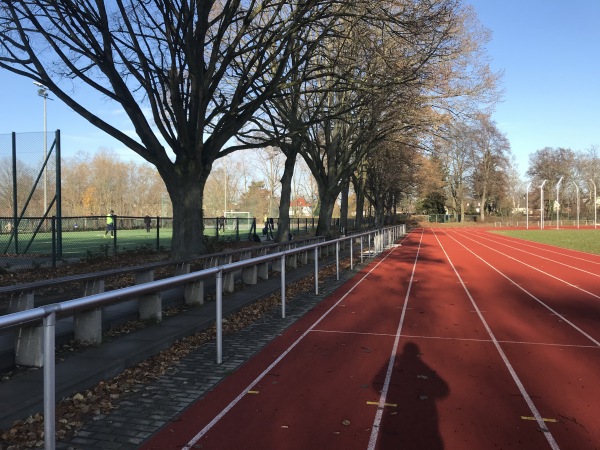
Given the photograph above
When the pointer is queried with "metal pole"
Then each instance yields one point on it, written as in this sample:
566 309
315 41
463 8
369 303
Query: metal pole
219 316
595 204
283 286
527 206
577 188
557 203
49 382
337 259
361 249
316 270
45 156
542 205
351 258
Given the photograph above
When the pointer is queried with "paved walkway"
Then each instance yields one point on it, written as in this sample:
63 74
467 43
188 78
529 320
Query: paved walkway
155 404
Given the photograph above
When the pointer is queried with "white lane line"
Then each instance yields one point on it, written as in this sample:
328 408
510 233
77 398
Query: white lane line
549 308
594 274
534 411
250 387
542 344
544 247
530 266
388 375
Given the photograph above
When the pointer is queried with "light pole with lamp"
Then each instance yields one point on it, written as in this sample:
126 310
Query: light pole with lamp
577 188
527 206
595 205
43 92
557 203
542 205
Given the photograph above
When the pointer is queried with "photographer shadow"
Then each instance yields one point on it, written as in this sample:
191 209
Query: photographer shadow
410 418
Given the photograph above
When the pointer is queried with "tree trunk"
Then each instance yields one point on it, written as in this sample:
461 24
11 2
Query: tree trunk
482 206
327 201
186 194
283 229
360 200
344 207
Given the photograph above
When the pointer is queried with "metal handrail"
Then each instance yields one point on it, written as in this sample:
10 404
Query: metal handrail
48 313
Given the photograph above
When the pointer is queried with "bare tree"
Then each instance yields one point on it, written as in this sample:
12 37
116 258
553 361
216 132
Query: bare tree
188 74
550 164
491 158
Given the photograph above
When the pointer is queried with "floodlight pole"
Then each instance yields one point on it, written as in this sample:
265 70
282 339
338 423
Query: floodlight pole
43 92
527 206
577 188
595 205
542 204
557 203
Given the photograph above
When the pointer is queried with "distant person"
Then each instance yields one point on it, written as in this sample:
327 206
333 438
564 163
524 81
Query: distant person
147 222
110 223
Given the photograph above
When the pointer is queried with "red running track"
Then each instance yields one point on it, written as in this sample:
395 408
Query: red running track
458 339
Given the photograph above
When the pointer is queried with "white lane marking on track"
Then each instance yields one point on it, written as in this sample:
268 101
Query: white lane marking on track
542 344
536 256
244 391
530 266
388 375
353 332
534 411
549 308
543 247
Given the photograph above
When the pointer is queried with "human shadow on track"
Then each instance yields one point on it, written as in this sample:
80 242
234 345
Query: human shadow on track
410 418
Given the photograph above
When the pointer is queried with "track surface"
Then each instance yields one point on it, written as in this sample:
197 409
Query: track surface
458 339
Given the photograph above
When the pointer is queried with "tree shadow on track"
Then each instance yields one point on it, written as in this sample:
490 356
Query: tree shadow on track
410 419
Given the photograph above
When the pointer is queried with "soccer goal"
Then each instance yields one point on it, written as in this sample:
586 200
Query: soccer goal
243 218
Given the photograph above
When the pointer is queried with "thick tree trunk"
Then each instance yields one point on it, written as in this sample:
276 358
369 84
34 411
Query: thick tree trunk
344 207
283 229
482 206
186 194
327 201
360 201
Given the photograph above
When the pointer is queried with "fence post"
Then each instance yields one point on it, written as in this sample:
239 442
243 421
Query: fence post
157 234
115 226
53 227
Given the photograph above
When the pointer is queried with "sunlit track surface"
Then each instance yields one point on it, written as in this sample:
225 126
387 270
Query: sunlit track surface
454 340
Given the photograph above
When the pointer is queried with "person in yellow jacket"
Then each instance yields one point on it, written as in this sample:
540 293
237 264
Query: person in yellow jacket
110 223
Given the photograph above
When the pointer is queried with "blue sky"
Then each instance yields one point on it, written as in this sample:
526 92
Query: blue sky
550 53
548 49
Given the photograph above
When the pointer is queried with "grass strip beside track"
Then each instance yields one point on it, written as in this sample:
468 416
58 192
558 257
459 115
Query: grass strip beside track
582 240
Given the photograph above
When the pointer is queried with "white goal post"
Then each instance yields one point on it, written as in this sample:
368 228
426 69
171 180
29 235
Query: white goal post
244 217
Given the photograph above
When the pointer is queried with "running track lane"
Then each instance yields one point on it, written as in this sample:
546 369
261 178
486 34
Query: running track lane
547 325
447 385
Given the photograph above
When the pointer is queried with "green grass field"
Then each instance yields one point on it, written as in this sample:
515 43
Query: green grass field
82 243
583 240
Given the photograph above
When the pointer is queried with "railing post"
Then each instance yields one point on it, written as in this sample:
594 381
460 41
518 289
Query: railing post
283 286
337 259
351 258
316 270
49 325
219 316
361 249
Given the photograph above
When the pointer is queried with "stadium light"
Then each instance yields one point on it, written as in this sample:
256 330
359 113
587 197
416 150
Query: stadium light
577 188
43 92
557 203
595 204
527 205
542 205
